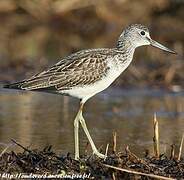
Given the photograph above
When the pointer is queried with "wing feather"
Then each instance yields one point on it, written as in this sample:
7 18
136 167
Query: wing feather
79 69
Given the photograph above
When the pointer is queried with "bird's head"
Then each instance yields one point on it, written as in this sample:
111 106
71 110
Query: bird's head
138 35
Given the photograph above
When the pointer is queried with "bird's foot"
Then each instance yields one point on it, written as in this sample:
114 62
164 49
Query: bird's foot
76 157
100 155
96 152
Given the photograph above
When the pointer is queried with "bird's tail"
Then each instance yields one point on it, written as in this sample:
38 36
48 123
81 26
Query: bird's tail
21 85
16 85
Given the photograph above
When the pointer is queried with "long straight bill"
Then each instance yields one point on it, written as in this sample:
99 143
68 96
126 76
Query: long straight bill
160 46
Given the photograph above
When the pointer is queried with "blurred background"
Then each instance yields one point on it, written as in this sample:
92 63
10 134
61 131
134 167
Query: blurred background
34 34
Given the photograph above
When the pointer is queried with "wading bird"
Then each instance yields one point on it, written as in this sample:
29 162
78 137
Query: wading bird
88 72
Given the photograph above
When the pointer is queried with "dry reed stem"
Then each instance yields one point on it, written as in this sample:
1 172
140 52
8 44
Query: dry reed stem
113 176
156 136
106 151
138 173
114 141
114 149
172 151
180 149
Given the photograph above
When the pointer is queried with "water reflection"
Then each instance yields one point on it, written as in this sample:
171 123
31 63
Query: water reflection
37 119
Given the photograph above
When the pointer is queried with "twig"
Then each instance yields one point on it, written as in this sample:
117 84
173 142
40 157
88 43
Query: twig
131 154
114 141
156 137
20 145
180 149
86 148
5 149
138 173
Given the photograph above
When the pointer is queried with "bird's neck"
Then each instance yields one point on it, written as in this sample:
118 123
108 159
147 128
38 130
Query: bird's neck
127 50
125 44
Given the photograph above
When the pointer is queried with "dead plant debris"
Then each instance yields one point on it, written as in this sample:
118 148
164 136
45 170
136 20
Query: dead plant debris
118 165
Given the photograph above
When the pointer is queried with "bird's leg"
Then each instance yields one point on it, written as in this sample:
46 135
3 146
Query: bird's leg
82 121
76 134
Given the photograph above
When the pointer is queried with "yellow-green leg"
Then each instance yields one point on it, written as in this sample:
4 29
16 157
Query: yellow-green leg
76 135
79 118
95 151
83 124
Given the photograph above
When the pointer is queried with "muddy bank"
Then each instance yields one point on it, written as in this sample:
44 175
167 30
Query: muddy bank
117 165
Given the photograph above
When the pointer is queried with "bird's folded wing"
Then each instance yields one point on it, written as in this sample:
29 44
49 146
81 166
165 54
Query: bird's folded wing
79 69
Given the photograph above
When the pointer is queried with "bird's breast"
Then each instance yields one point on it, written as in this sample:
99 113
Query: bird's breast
115 68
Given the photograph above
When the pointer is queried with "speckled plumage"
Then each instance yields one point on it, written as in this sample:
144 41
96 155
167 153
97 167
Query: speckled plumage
82 68
87 72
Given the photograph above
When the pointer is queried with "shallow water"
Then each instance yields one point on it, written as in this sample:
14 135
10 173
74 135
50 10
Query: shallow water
37 119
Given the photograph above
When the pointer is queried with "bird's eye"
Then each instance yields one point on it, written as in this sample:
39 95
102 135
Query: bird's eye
142 33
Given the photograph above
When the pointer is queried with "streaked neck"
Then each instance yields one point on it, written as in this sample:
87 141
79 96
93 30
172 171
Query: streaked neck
127 50
125 44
